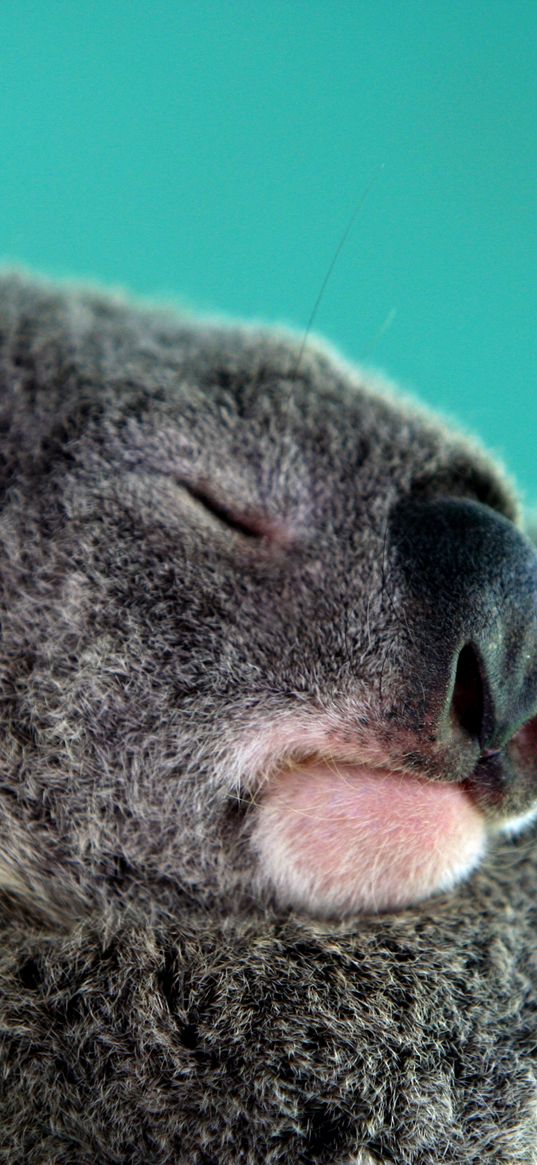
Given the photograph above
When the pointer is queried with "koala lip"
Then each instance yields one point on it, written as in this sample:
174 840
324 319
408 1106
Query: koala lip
489 781
523 746
507 776
339 836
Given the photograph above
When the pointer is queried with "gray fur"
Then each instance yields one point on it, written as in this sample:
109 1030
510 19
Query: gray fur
156 1005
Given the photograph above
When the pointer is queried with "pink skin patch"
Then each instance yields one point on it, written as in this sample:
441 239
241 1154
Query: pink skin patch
336 838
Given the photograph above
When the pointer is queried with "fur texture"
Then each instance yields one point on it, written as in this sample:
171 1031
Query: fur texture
200 592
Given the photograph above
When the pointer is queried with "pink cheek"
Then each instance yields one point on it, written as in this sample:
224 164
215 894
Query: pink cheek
338 839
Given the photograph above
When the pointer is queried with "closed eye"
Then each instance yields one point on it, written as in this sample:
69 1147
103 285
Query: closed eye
249 526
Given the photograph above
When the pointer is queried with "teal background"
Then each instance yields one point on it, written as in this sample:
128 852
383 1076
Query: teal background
215 152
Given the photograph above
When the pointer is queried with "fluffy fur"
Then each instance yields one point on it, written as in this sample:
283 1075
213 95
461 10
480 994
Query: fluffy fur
196 564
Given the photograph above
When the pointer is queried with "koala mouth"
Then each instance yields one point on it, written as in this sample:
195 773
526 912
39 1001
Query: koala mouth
504 778
523 747
335 838
339 831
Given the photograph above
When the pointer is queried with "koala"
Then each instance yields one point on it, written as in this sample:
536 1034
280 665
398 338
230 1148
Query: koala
268 783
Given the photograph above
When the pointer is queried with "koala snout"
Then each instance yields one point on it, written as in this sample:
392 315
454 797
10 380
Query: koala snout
468 586
458 724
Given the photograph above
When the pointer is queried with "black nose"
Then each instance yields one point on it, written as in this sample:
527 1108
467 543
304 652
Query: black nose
468 618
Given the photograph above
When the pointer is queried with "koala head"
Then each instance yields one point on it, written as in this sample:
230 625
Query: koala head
269 633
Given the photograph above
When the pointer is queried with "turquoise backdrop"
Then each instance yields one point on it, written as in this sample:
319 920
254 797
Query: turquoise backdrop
215 151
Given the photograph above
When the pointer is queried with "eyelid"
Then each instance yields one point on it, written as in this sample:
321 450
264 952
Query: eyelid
248 526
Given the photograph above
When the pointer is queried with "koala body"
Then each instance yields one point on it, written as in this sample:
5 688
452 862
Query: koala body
269 678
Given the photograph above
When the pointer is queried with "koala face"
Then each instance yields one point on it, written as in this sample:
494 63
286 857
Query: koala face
269 633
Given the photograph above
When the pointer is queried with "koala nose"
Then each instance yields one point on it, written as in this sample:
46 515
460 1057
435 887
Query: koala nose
468 587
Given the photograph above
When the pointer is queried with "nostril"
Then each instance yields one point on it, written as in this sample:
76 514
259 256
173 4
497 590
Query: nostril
470 694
